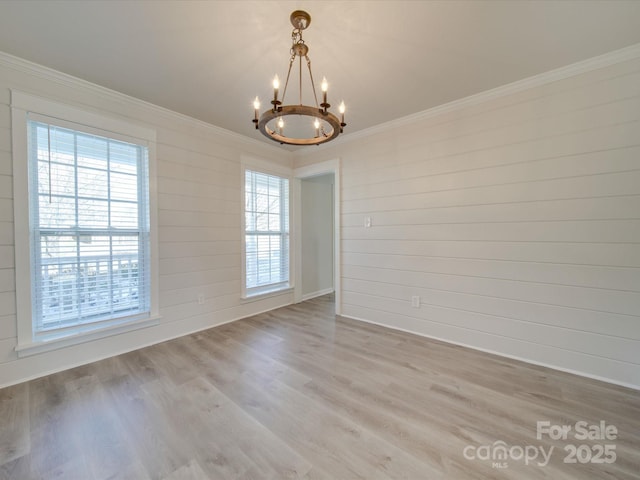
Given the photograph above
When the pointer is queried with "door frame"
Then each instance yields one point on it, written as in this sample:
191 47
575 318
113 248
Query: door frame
317 169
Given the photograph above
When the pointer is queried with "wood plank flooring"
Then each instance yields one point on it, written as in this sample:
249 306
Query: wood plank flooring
300 394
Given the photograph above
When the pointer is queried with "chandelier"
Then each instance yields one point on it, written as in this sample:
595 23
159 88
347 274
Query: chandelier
318 125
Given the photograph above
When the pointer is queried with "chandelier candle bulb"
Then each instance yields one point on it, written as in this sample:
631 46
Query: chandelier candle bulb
324 86
317 125
342 109
276 86
256 107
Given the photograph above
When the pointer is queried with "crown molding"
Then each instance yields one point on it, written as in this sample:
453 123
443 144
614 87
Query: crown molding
631 52
611 58
40 71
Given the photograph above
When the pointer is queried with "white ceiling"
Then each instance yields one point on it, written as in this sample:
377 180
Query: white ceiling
386 59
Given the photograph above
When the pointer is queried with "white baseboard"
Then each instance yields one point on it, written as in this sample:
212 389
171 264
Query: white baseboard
501 354
29 368
319 293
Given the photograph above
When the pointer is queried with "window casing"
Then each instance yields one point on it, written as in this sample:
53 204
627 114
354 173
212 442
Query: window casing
85 249
266 236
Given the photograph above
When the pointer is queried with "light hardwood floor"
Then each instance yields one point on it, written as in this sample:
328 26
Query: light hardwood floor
298 393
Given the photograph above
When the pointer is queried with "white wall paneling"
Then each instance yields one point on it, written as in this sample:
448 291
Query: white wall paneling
513 215
515 218
199 220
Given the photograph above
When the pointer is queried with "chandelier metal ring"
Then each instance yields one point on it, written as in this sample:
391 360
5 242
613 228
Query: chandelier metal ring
303 110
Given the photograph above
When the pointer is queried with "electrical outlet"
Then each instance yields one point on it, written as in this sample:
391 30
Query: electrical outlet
367 222
415 301
201 299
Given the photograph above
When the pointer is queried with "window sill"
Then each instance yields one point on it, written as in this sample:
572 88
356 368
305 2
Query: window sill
252 297
82 336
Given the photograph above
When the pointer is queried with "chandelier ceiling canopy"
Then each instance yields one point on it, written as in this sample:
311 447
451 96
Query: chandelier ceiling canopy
313 125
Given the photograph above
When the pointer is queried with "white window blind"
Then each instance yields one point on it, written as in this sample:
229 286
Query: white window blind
89 228
266 232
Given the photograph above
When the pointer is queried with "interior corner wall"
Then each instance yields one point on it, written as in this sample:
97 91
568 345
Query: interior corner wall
317 235
199 220
516 220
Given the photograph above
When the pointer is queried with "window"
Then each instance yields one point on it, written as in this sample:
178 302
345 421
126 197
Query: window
266 233
90 227
83 207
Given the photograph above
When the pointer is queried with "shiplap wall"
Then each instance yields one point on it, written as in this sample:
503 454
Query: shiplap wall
516 220
199 210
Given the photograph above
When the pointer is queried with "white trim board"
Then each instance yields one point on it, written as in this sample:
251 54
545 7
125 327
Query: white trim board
319 293
617 56
499 354
29 368
321 168
61 78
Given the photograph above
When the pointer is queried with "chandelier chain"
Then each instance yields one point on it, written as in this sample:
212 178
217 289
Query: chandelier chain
296 36
286 83
313 85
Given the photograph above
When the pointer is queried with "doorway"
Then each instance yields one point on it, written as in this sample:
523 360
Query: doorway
317 232
316 238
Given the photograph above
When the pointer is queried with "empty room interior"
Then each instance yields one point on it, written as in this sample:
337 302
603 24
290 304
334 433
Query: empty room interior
319 240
